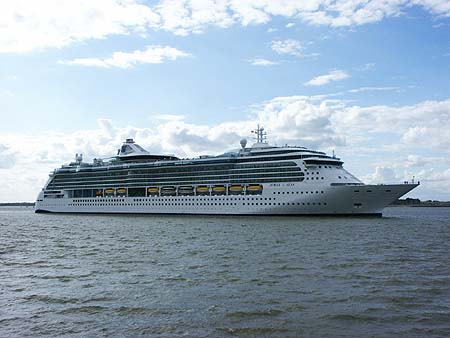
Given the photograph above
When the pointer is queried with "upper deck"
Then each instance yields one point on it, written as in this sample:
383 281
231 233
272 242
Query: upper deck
131 155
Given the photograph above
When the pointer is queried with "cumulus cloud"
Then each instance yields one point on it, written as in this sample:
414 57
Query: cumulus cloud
29 25
263 62
382 175
297 119
288 47
439 7
186 16
420 161
152 54
335 75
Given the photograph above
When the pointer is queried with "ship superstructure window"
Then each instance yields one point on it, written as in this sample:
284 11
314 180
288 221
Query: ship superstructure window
126 149
193 174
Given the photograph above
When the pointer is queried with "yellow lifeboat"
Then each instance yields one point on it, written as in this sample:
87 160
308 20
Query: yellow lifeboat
121 191
236 189
254 188
153 190
109 191
219 189
202 189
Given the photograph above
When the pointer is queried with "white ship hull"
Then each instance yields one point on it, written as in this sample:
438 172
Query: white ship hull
276 199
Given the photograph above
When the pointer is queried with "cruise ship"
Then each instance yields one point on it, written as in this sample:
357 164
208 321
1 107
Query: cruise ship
254 180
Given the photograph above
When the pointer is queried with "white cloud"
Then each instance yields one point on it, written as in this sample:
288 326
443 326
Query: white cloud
382 175
290 25
288 47
439 7
366 67
335 75
29 25
418 161
153 54
183 17
368 89
263 62
271 30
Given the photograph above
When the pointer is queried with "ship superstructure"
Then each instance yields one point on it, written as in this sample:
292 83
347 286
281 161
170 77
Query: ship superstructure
256 180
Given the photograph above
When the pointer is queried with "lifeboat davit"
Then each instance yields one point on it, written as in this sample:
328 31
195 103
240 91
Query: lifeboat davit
186 190
168 191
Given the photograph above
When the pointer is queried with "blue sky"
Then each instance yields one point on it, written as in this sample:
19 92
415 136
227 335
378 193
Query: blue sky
368 79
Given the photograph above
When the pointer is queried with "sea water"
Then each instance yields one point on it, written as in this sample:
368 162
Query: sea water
209 276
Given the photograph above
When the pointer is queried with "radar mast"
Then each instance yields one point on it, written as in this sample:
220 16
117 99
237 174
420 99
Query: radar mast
261 135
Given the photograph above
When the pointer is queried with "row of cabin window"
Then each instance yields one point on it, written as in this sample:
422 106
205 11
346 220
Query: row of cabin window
193 168
191 178
141 183
198 204
295 192
207 196
214 198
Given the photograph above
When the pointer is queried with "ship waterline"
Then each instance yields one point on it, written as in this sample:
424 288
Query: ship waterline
257 180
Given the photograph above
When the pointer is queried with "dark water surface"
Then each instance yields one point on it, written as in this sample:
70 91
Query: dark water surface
74 275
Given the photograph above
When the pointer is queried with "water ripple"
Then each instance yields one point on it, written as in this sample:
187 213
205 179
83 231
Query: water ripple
75 275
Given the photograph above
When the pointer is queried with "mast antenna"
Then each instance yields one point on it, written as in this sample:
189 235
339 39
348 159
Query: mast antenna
261 135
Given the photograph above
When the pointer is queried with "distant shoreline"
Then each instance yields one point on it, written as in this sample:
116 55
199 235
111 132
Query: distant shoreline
17 204
415 202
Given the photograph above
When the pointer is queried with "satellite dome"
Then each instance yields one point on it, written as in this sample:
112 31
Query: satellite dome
243 143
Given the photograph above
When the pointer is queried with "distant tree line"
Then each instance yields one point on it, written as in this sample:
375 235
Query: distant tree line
418 203
17 204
